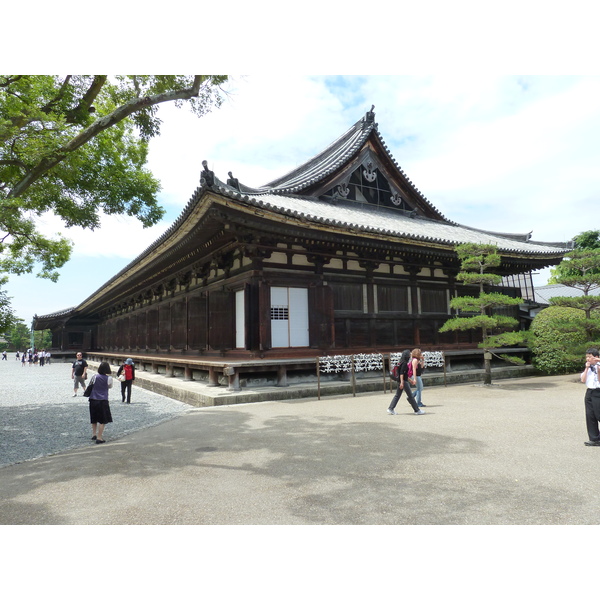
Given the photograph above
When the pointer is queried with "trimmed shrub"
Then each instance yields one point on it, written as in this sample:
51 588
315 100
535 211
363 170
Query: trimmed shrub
558 340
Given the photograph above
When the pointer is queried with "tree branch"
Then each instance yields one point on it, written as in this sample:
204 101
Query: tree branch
46 109
13 163
8 81
87 99
100 125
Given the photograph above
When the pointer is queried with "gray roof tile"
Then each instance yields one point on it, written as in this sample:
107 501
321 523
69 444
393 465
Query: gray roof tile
392 222
543 293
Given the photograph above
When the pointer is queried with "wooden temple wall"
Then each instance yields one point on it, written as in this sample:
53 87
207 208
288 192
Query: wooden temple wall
348 309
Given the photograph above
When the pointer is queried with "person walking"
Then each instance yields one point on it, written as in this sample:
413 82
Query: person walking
404 386
592 395
79 373
126 375
418 364
100 413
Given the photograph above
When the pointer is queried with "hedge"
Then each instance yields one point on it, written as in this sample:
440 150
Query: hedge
555 349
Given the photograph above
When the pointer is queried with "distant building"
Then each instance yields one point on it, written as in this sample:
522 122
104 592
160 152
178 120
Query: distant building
544 293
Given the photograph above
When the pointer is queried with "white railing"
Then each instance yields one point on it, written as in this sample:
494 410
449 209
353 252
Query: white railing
352 363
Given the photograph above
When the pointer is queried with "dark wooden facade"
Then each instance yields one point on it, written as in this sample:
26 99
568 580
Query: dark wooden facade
342 255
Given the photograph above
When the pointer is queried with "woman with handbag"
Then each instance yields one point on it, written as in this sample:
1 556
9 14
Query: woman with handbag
418 364
97 392
126 375
404 378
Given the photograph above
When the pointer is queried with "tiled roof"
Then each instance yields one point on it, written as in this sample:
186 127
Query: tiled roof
61 314
284 195
58 314
371 219
319 167
543 293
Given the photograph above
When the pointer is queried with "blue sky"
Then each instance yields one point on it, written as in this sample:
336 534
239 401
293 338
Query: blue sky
504 153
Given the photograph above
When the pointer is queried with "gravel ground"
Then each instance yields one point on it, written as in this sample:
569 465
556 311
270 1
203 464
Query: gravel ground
39 415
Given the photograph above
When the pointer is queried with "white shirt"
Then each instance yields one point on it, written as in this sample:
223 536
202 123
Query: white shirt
591 378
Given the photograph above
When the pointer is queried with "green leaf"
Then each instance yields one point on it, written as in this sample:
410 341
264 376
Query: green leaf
467 323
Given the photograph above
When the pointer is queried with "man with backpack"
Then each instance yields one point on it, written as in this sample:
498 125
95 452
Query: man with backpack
126 375
400 374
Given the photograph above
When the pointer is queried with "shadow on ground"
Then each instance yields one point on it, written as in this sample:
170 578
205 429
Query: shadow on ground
316 470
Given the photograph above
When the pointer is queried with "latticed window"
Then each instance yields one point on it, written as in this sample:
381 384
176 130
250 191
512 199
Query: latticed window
279 313
392 298
523 283
434 301
347 296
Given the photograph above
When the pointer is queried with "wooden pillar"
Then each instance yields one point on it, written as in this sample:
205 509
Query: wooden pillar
415 294
282 376
187 373
213 377
234 378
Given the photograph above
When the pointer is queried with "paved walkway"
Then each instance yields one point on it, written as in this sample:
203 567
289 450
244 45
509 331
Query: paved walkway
512 453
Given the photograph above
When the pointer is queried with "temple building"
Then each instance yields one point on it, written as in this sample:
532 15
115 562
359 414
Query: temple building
341 255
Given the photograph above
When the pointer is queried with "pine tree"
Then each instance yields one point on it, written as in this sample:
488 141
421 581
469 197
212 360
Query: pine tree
476 262
580 270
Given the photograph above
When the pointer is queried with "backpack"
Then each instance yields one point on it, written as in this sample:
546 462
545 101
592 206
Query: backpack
395 373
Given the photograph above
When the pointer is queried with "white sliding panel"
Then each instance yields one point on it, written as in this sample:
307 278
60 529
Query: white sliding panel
240 320
289 317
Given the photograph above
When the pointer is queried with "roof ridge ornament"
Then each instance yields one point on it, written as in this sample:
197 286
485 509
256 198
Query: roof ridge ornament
369 118
233 181
207 177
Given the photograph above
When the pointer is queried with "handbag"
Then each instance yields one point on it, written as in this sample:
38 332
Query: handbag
88 390
121 377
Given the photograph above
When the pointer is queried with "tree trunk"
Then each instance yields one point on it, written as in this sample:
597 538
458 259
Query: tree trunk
487 364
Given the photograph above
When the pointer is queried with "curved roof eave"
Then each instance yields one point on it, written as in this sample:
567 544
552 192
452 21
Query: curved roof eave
61 314
346 219
162 239
378 220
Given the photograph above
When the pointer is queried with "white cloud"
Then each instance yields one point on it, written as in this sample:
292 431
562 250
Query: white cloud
266 126
97 256
118 236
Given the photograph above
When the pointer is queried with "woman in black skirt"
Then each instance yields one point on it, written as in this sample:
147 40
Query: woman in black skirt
99 408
